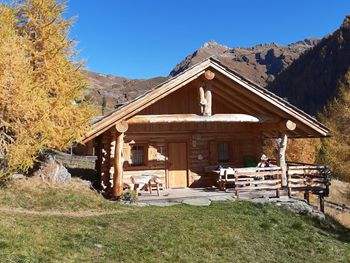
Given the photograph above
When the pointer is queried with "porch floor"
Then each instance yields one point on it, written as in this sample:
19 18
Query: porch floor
178 195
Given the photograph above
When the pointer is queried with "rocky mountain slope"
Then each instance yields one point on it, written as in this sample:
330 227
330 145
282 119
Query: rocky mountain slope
310 81
307 72
117 90
261 64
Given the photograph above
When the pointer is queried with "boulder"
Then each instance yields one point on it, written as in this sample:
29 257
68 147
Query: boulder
294 205
197 201
301 207
53 171
221 198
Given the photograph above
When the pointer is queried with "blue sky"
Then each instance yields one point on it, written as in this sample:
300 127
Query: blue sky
142 39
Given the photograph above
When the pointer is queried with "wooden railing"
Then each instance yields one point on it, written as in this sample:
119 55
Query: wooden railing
310 179
307 178
250 179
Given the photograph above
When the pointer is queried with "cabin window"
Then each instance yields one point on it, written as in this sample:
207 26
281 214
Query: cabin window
223 152
137 155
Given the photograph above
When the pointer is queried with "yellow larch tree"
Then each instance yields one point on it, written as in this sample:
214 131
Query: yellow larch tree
41 86
55 71
304 150
22 105
335 150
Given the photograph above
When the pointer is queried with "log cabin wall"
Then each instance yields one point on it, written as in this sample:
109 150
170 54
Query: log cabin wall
204 155
201 140
106 159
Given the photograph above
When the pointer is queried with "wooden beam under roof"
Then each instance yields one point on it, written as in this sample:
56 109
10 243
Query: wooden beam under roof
253 97
271 101
228 104
184 118
249 99
242 101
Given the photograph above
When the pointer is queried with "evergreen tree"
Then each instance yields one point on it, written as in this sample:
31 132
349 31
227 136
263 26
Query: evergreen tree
104 105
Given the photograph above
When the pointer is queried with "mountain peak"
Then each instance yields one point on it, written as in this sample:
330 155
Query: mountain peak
213 44
210 44
346 22
311 41
260 63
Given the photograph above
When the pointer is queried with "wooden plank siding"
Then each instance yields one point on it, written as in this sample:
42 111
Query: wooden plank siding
242 138
243 142
186 100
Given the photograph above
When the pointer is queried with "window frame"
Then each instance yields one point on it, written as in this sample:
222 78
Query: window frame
144 156
228 151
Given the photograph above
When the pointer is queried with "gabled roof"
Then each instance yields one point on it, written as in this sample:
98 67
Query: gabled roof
160 91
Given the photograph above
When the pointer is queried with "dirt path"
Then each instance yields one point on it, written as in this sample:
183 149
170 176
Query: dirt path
82 213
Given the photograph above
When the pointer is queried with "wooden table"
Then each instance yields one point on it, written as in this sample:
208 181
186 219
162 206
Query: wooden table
140 180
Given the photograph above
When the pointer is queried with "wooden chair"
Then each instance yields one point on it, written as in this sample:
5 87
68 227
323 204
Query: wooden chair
155 184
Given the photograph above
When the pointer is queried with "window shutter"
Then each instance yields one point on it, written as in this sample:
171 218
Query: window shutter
213 155
126 154
152 156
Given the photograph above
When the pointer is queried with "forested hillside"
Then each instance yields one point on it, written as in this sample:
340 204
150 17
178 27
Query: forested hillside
311 81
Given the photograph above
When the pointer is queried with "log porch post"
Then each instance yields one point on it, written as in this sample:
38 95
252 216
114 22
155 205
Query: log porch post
98 163
282 147
282 158
118 180
106 162
205 94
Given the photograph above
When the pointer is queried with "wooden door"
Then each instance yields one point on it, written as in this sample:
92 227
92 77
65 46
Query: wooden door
177 168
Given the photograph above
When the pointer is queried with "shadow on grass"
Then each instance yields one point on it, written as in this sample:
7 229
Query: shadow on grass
86 175
332 226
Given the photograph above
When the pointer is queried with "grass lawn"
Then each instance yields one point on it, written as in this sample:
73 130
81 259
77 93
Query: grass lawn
224 232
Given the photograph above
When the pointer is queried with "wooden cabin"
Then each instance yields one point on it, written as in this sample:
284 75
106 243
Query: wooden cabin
183 128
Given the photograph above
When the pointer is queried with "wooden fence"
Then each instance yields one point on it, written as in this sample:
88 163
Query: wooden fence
306 178
75 161
310 179
250 179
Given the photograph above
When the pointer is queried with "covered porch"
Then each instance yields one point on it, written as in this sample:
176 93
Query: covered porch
213 193
209 156
250 183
